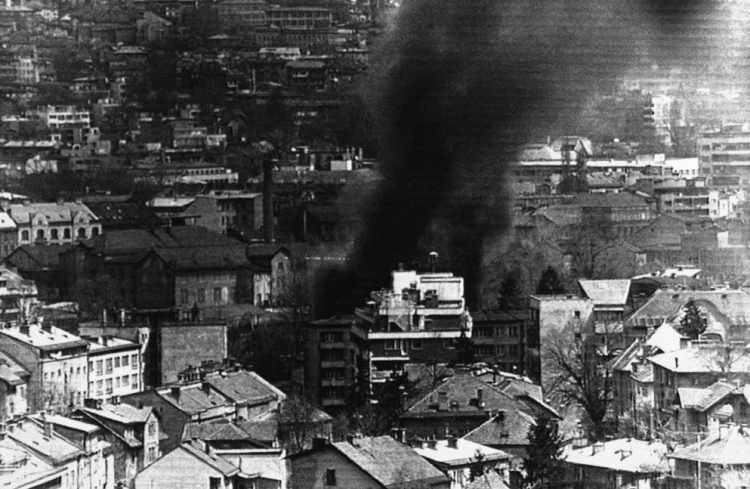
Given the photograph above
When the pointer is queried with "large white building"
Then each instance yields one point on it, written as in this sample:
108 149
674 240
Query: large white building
115 367
53 222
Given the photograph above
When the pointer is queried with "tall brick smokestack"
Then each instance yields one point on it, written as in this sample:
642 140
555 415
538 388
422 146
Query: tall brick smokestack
267 151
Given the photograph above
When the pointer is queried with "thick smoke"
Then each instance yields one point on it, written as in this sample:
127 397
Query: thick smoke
458 81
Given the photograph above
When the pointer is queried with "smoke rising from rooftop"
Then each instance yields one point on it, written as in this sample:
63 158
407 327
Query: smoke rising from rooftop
458 81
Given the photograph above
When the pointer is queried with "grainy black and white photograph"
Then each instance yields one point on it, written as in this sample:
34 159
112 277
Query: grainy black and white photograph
374 244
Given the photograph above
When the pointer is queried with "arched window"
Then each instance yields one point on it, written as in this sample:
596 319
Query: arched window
24 235
94 231
66 233
54 234
81 233
40 234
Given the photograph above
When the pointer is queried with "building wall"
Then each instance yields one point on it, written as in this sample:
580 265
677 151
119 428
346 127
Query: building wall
180 470
115 373
181 345
456 424
171 419
309 472
12 400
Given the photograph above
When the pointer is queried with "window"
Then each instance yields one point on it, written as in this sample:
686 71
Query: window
124 381
416 344
66 233
108 386
117 382
151 454
81 233
214 482
184 296
134 362
99 385
40 234
117 362
217 295
94 231
24 235
99 364
393 344
200 296
134 381
108 366
331 477
124 360
151 429
54 233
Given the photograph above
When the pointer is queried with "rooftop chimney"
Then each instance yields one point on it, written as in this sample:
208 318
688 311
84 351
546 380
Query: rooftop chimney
175 391
268 224
597 447
452 442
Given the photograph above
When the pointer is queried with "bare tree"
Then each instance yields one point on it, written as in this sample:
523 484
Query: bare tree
576 373
298 423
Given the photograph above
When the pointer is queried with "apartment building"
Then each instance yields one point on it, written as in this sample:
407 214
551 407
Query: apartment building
56 360
115 367
724 155
53 222
419 320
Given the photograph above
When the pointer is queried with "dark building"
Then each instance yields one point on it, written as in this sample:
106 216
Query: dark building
508 340
336 362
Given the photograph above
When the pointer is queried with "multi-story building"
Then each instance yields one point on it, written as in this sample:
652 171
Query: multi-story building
724 156
507 339
115 367
336 361
419 320
299 17
8 235
57 361
132 432
62 452
58 117
53 222
14 384
243 13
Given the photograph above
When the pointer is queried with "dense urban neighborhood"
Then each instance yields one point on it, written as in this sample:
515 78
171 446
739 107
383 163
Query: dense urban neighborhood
255 244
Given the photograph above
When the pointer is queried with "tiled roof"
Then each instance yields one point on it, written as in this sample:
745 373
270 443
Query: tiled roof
729 446
665 339
606 292
464 452
129 241
205 258
11 371
220 430
705 358
44 339
122 412
460 395
195 398
217 463
506 428
52 211
664 304
388 461
45 257
124 214
28 470
703 399
243 386
56 449
489 480
622 455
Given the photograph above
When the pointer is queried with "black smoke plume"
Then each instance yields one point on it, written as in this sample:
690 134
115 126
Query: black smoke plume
457 82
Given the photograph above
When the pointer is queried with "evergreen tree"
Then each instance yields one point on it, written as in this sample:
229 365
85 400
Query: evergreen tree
549 282
511 295
465 351
542 463
692 323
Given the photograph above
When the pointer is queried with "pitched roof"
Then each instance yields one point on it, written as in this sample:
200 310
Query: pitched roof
195 398
506 428
665 338
128 241
459 394
11 372
213 461
56 449
606 292
244 386
45 257
205 258
703 359
122 412
463 452
52 211
488 480
219 430
122 215
702 399
729 446
734 304
622 455
388 461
